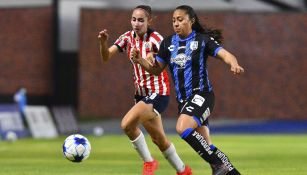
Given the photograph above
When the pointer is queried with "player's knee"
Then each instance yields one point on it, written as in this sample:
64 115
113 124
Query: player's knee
123 125
129 123
184 122
185 133
126 126
180 129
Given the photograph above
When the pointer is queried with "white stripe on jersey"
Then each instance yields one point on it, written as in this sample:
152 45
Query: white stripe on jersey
148 82
156 82
145 75
163 84
140 69
154 41
136 79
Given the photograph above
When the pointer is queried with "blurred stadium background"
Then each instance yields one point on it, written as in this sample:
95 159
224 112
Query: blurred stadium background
50 47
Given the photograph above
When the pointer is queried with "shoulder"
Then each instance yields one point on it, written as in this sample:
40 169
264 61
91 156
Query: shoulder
202 37
167 43
128 33
207 39
125 35
154 35
168 39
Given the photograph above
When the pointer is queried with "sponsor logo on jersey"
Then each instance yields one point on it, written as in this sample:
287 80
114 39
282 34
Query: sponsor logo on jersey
194 45
199 100
206 114
189 108
181 59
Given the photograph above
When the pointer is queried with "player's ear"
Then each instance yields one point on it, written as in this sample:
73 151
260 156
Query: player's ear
150 21
192 21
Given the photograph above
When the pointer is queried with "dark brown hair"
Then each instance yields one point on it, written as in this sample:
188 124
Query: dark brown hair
146 8
215 33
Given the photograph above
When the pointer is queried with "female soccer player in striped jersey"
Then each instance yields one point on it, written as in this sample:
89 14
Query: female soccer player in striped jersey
151 92
186 53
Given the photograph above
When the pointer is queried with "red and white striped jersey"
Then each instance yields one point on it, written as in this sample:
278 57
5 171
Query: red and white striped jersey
144 82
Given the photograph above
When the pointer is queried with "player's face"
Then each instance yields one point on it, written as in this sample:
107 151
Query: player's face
139 22
181 23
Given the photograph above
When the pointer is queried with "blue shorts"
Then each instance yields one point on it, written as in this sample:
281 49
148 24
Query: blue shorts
159 102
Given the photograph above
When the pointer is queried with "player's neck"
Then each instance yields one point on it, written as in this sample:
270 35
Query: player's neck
185 35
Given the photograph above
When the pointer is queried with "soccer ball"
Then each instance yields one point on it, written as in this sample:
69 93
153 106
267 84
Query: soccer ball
11 136
76 148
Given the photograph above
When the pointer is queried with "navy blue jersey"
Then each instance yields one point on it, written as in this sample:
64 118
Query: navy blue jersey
187 60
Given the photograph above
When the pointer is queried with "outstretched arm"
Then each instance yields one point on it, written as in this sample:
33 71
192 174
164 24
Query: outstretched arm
106 52
231 60
150 64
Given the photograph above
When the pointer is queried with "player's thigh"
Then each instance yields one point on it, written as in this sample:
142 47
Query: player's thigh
139 113
158 105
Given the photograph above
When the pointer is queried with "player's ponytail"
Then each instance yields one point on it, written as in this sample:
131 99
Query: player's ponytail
215 33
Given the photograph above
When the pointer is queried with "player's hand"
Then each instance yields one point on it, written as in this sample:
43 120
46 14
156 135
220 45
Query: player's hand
103 36
236 69
135 55
151 59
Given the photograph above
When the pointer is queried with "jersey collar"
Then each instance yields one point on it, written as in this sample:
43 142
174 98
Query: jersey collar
191 35
146 35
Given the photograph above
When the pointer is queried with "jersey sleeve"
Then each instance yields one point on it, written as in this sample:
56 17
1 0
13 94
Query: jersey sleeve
163 54
122 41
212 46
155 39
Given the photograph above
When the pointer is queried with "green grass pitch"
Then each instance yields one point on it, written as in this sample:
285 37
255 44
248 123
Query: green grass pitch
114 155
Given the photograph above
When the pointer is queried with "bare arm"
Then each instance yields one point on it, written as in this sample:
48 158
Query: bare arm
106 52
231 60
149 64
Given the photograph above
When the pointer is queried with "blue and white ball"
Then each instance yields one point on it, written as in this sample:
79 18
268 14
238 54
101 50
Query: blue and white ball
76 148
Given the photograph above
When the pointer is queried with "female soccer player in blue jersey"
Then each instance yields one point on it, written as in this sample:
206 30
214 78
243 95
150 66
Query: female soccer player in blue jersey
186 53
151 92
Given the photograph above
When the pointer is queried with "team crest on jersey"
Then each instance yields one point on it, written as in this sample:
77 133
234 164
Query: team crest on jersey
181 59
194 45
